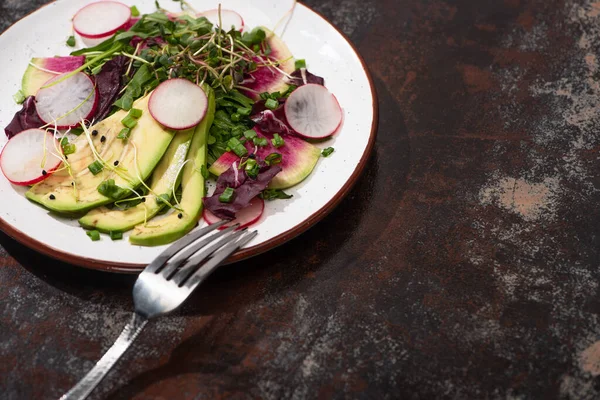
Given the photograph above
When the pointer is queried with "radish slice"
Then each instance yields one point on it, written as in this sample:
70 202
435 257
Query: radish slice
313 112
29 157
229 19
101 19
91 42
67 102
178 104
245 217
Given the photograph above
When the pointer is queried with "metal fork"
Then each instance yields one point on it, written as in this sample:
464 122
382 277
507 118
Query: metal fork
163 286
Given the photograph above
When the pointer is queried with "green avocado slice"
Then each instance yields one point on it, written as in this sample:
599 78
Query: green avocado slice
164 181
176 224
76 192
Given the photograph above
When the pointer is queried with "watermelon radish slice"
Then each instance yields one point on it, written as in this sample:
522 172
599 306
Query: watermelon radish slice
41 70
245 217
229 19
101 19
68 102
313 112
268 79
299 158
178 104
29 157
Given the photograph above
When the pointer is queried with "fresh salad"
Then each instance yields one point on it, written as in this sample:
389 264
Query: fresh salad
124 134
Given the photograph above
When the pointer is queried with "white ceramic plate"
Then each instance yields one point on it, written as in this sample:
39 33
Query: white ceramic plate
308 35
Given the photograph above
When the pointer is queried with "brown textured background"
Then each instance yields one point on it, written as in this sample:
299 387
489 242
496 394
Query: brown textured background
464 264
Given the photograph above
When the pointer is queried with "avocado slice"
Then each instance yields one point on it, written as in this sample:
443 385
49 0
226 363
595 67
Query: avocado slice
75 192
176 224
164 181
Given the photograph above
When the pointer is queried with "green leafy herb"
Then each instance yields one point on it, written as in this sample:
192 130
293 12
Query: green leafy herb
115 235
94 235
277 141
71 41
134 11
135 88
227 196
109 189
96 167
273 159
274 194
204 172
327 152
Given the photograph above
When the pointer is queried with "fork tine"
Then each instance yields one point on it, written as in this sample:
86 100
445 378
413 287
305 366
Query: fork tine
180 244
183 255
190 266
204 271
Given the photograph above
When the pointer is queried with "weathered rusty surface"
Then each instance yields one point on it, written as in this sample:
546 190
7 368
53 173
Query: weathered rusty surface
465 263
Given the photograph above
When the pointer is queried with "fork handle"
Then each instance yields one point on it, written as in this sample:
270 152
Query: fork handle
86 385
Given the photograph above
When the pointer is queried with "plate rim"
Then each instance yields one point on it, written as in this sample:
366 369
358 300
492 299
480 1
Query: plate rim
240 255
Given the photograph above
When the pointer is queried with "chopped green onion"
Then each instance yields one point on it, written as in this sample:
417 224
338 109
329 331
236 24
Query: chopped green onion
134 11
135 113
19 97
277 141
115 235
265 95
260 141
250 134
237 147
71 41
273 194
227 196
273 158
129 122
327 152
124 134
96 167
271 104
67 148
109 189
235 117
252 168
244 111
300 64
94 235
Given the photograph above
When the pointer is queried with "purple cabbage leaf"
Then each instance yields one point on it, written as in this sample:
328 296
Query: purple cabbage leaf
246 188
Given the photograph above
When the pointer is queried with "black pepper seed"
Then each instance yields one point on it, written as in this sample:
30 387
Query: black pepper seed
52 197
44 173
252 156
143 199
66 157
72 183
116 163
94 132
103 139
180 216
